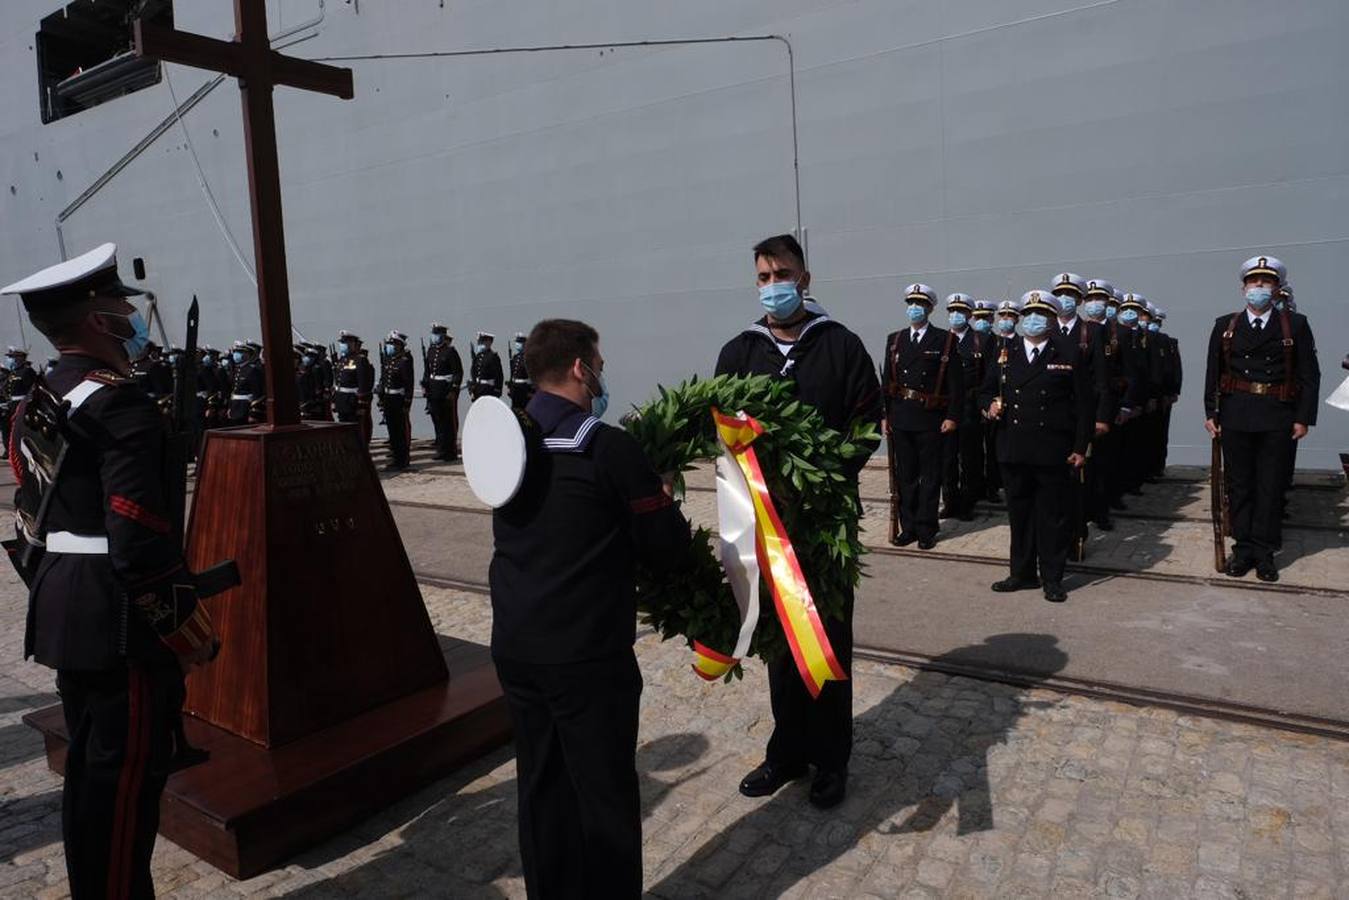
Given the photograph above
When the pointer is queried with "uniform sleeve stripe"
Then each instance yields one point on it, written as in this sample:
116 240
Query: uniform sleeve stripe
130 509
651 504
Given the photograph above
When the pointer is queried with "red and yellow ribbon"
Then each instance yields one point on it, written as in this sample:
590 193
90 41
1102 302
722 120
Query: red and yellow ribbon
781 570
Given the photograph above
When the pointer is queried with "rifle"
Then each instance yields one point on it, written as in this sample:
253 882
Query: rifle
1080 509
894 486
1218 505
183 417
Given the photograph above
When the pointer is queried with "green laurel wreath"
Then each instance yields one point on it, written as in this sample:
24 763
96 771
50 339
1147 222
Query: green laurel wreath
803 463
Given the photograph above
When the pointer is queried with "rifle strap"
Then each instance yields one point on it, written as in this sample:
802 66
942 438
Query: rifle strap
1289 382
937 394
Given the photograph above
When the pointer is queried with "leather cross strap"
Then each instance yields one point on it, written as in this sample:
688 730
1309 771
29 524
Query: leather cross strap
934 400
1227 382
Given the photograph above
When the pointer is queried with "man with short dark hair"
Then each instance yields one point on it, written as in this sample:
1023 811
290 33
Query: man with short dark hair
564 613
112 607
796 339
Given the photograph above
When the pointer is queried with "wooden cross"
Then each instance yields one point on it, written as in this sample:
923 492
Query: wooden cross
250 58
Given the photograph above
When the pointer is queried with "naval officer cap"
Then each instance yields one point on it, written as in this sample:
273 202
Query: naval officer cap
1116 297
1264 265
520 336
1135 301
958 301
1039 301
983 308
398 336
439 328
89 275
15 351
1099 288
1067 281
1009 307
486 336
920 293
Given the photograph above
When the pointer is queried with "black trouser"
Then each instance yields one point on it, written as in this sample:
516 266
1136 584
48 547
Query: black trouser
396 418
1255 464
962 480
6 415
447 425
1134 448
576 771
1103 460
120 724
992 471
918 460
1038 500
814 730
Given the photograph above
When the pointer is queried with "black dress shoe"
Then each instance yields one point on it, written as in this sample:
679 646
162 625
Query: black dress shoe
1238 566
1007 585
926 543
905 539
768 778
1265 571
1055 593
829 788
1105 523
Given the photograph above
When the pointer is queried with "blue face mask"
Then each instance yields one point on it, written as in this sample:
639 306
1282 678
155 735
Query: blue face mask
916 312
1154 326
1035 324
1005 326
342 351
480 347
1094 308
1258 298
599 399
11 363
1111 311
237 356
208 362
1128 316
958 319
1068 304
780 299
389 349
309 360
435 338
140 334
981 325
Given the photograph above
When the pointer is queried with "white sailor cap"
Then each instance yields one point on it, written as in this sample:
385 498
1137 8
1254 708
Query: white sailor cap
87 275
239 344
344 336
1135 301
984 308
921 293
1067 281
520 336
1039 301
1264 265
1009 307
486 336
398 336
1097 287
959 301
439 328
15 351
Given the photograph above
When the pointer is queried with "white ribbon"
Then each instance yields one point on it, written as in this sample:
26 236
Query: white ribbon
739 555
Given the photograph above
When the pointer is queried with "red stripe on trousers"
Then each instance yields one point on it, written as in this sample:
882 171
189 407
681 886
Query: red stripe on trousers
122 847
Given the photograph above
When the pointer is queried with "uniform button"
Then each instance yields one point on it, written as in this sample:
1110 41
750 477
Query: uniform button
1016 421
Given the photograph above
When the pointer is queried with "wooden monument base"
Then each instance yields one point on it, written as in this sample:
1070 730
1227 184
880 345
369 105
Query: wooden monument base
249 807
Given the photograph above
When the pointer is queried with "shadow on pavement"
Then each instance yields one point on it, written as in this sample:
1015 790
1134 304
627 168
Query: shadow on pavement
919 752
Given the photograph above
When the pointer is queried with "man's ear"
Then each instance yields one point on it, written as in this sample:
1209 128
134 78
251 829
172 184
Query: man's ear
804 284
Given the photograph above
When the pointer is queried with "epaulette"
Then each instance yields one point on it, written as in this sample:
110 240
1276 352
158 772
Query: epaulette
108 377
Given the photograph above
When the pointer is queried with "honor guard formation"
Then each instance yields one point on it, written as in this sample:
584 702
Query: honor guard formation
1058 403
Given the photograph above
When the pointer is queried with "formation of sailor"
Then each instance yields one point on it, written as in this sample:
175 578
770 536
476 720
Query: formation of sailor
521 386
485 378
564 610
16 381
353 384
922 375
248 385
396 384
1261 387
1041 396
797 340
442 376
112 607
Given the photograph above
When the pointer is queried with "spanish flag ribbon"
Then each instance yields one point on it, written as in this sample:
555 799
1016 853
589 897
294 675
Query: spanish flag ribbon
754 543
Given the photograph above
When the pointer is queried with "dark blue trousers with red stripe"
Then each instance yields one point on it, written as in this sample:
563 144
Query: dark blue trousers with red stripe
121 741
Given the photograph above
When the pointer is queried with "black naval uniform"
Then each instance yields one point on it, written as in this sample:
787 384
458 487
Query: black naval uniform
1171 380
208 395
834 374
155 376
924 384
563 625
113 623
324 367
1260 381
396 380
485 377
1138 441
1048 412
443 373
309 388
963 483
1088 339
354 384
18 383
248 393
521 386
1126 383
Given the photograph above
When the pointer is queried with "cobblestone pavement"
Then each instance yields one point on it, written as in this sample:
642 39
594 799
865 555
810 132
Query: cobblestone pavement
959 788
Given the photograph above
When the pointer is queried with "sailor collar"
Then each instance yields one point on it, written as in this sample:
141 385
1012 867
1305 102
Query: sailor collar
566 428
819 317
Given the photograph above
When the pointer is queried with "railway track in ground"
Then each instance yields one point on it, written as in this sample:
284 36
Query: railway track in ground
1188 704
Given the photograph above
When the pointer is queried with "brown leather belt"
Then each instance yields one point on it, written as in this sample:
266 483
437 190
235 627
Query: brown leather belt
930 401
1279 391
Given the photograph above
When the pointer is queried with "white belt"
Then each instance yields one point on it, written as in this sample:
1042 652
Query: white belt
203 394
442 377
520 381
486 381
69 542
395 391
19 397
347 390
241 397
